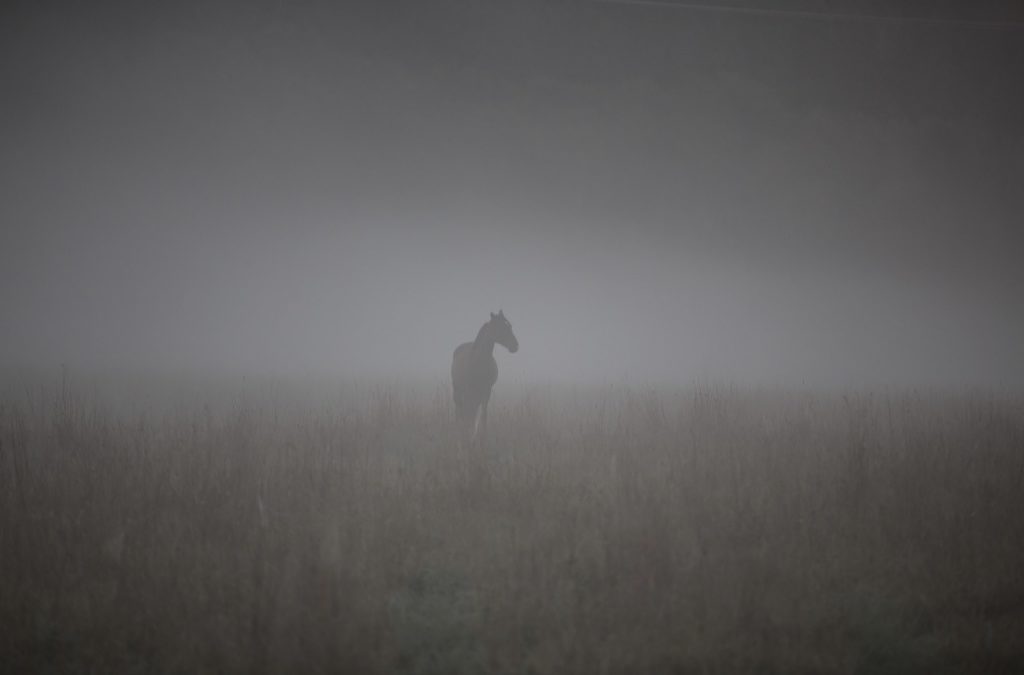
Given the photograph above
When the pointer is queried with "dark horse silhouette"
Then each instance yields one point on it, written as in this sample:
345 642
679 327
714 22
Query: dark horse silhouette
474 372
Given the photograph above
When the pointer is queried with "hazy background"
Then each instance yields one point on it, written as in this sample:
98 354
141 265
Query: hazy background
650 193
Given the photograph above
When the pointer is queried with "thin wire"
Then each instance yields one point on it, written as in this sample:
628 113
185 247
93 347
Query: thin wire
811 14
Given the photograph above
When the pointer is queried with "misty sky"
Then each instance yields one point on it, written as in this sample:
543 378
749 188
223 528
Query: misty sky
648 193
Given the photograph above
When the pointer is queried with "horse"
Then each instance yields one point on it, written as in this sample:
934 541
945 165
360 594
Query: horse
474 372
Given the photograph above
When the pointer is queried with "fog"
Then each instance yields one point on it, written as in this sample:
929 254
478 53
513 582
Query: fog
649 193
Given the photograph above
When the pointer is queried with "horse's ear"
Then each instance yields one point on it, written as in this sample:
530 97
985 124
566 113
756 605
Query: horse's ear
501 314
492 315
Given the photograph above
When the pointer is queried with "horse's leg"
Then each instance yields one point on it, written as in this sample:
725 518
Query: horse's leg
464 415
476 422
466 426
483 415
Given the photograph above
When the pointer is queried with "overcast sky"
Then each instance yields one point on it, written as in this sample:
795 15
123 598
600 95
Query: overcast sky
652 193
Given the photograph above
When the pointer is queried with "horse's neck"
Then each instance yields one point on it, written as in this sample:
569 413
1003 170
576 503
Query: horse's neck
484 343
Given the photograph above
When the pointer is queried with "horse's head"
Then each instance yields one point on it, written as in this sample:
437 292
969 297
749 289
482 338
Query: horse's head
501 330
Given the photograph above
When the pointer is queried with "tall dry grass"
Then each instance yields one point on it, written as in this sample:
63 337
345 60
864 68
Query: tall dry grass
598 531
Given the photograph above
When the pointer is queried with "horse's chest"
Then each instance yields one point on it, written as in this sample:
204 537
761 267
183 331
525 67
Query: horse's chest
484 374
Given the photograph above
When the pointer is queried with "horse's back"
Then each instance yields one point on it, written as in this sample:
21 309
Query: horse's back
460 361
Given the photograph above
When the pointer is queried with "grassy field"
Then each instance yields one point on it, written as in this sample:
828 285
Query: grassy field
600 530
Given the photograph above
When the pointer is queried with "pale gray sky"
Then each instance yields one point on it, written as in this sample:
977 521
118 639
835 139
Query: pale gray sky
649 193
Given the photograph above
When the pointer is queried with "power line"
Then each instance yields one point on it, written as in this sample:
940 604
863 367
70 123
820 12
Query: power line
996 24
